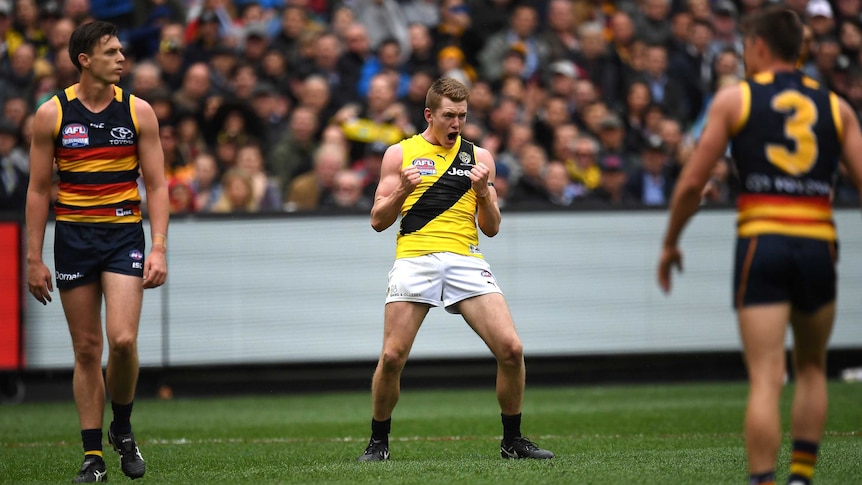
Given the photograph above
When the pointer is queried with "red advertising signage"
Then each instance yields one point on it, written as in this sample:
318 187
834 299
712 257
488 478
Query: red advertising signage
11 354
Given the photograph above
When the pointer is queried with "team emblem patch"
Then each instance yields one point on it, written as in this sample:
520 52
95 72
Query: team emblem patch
465 158
136 255
75 135
426 166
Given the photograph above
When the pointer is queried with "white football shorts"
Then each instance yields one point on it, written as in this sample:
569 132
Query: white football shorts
440 279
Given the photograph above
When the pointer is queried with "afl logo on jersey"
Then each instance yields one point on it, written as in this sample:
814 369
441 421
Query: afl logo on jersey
75 135
136 255
426 166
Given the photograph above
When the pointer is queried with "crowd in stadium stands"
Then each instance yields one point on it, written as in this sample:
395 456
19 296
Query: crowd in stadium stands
289 105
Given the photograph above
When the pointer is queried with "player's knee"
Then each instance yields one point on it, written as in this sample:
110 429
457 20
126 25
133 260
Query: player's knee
88 352
511 354
123 346
392 360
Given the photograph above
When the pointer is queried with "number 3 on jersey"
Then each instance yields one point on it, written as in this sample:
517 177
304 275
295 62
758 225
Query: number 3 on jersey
802 115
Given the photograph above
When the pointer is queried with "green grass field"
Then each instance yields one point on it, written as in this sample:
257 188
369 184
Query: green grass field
645 434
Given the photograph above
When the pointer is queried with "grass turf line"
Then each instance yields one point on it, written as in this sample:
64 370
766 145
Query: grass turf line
685 433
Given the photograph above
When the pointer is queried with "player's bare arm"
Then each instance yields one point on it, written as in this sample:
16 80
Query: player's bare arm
39 199
152 161
723 116
851 144
394 187
482 176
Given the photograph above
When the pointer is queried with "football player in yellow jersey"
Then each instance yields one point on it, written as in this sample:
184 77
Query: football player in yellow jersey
788 135
100 136
443 186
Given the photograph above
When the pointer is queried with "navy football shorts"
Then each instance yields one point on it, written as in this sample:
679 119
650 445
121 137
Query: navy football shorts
773 268
82 252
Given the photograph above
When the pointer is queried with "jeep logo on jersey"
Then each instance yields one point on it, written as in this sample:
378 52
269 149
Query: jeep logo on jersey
75 135
122 133
465 158
426 166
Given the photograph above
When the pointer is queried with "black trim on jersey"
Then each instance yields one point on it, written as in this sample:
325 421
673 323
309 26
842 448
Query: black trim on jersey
97 178
131 203
442 195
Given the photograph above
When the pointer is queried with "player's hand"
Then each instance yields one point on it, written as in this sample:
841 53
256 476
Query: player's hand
479 177
670 257
410 178
39 282
155 268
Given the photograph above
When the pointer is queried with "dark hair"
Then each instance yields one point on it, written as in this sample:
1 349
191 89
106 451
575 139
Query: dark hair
446 87
87 36
778 27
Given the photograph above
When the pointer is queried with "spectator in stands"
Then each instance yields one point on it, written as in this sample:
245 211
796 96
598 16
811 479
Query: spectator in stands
327 61
414 99
718 189
205 38
693 64
274 70
422 56
819 17
583 165
611 189
146 78
237 195
653 24
725 21
293 21
265 190
454 30
368 168
421 12
194 89
652 183
612 137
529 189
170 60
58 38
347 193
518 136
522 31
206 183
665 90
26 28
558 32
561 191
181 197
380 118
848 10
638 101
388 59
176 165
383 20
309 189
594 58
313 93
357 53
271 106
14 169
18 76
293 153
553 113
256 43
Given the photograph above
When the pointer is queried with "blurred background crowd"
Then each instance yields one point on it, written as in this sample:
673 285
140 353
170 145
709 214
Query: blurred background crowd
289 105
